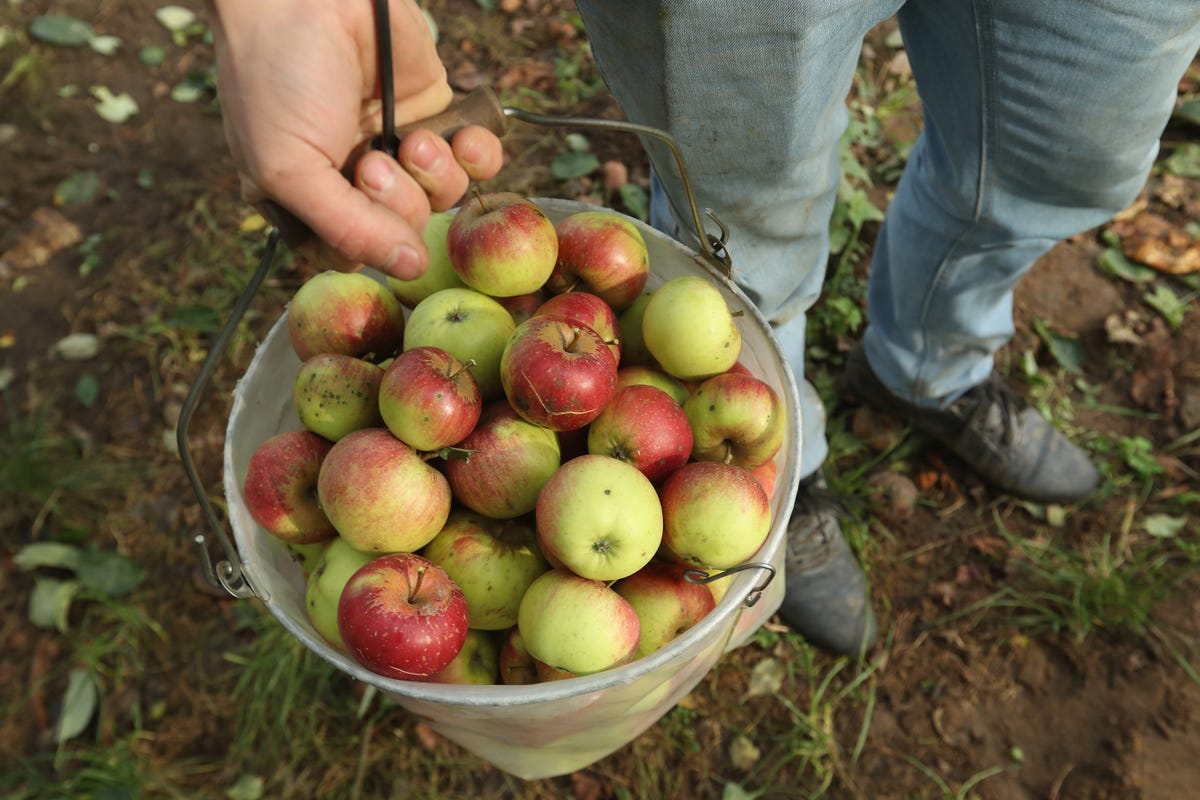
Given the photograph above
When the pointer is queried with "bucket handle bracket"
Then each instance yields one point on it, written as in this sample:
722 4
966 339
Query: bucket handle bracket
693 575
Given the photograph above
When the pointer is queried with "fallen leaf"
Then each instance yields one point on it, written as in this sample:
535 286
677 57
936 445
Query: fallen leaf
743 753
943 592
427 736
114 108
78 346
988 545
46 233
766 678
1125 327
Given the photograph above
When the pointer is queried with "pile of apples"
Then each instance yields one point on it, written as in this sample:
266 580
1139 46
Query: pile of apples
507 464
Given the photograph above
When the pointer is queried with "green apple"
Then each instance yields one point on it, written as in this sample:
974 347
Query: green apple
629 323
477 663
715 515
577 625
440 274
502 244
652 376
345 312
335 394
468 325
600 517
325 584
689 330
492 561
307 555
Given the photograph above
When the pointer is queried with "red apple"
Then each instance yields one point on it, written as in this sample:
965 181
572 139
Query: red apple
652 376
715 516
336 394
546 673
380 494
522 306
401 616
428 398
557 374
766 473
588 310
348 313
667 604
736 418
509 460
603 253
516 665
502 244
644 426
280 487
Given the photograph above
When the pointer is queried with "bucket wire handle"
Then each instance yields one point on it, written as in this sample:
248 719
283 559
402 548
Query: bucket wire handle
693 575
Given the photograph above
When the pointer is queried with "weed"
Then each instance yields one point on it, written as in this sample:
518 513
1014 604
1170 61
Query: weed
964 791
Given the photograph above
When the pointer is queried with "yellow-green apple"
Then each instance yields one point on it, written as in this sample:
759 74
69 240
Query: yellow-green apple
689 330
546 673
380 494
557 374
348 313
766 474
736 418
280 487
469 326
477 663
508 460
324 587
641 374
599 517
516 665
588 310
644 426
667 604
629 324
428 398
522 306
601 252
336 394
715 516
440 274
577 625
492 561
307 555
502 244
401 616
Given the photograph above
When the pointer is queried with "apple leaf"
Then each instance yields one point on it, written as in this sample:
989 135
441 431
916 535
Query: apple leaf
105 45
247 787
87 390
1168 304
109 573
78 705
78 188
1189 112
50 603
1116 263
78 346
175 18
1066 350
1185 161
1164 526
766 678
60 30
743 753
574 165
48 554
635 200
114 108
152 55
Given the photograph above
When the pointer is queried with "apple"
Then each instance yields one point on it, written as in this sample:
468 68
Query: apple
522 306
600 517
557 374
588 310
629 323
307 555
603 253
640 374
517 667
766 474
428 398
502 244
689 330
509 459
492 561
324 587
380 494
345 312
667 604
469 326
477 663
336 394
546 673
401 616
736 418
577 625
644 426
715 516
439 275
280 487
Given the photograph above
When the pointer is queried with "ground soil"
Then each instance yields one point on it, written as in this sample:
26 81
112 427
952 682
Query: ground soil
1046 714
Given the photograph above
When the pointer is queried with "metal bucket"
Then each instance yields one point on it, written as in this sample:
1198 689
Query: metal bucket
554 728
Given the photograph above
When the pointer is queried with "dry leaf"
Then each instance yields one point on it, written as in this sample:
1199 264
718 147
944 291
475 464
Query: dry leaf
743 753
46 233
427 736
766 678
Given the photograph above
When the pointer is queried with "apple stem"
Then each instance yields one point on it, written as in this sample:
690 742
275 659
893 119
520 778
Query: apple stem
479 197
464 368
728 453
417 585
447 453
738 313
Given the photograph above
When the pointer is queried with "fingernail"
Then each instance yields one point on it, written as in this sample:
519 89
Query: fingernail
406 263
378 174
426 156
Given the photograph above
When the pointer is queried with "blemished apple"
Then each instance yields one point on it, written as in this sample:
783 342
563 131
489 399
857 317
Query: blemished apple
348 313
600 517
469 326
715 516
509 461
517 667
666 603
492 561
337 394
557 374
324 587
380 494
577 625
585 309
645 427
280 487
600 252
477 663
522 306
640 374
629 324
401 616
689 330
428 398
307 555
440 274
736 418
502 244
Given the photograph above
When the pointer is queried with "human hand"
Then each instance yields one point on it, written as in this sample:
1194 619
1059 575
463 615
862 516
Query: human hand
299 90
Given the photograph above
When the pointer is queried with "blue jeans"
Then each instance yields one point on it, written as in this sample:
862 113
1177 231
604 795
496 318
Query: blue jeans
1041 120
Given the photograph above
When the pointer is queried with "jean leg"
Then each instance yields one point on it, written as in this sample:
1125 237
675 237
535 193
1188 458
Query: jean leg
1042 120
754 94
